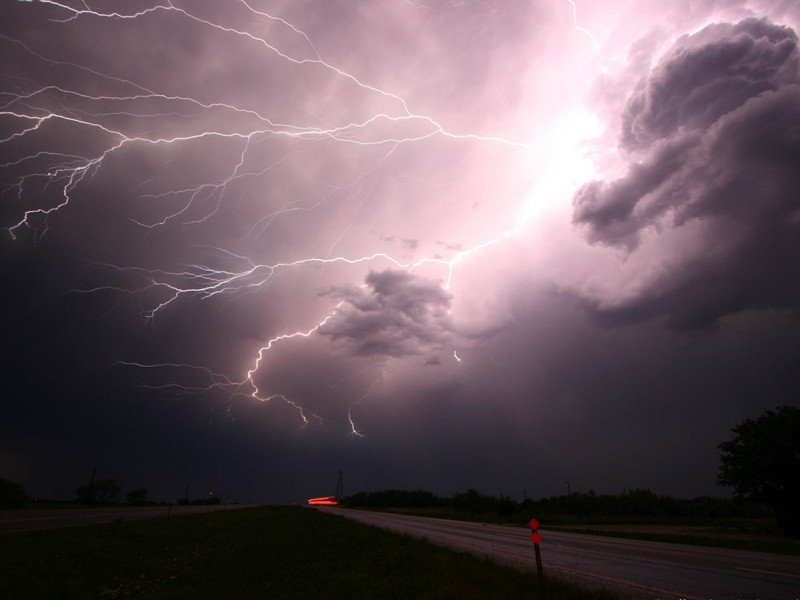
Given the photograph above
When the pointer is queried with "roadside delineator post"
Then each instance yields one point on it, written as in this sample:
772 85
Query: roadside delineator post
536 538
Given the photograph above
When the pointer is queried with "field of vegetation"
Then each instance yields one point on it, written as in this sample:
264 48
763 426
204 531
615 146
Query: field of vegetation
269 552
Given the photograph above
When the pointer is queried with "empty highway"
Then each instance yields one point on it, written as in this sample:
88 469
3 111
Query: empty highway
631 568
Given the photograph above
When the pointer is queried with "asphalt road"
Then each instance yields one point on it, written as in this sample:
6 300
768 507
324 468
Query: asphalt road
630 568
37 519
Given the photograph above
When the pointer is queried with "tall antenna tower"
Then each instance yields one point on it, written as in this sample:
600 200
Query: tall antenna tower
340 486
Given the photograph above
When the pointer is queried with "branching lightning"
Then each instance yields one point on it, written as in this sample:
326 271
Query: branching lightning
133 115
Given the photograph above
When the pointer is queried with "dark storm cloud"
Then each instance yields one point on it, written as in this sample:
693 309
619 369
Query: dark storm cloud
706 76
395 314
616 211
714 146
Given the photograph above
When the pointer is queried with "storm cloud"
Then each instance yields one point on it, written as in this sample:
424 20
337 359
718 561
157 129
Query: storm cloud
394 314
711 135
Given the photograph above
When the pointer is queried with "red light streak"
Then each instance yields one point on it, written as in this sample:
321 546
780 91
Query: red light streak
323 500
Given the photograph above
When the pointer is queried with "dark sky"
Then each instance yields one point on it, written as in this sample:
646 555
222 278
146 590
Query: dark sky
437 245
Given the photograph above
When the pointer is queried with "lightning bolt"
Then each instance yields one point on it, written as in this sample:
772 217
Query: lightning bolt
287 336
582 29
49 179
588 33
71 173
354 432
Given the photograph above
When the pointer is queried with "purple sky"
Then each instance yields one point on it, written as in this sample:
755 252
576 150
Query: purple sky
438 245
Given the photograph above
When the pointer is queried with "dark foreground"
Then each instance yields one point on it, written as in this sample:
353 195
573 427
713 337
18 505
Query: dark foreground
13 521
271 552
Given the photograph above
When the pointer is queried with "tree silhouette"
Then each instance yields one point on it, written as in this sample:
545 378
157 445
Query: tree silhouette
762 462
137 497
12 495
100 491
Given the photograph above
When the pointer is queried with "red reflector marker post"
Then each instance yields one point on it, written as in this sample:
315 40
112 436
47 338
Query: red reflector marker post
536 538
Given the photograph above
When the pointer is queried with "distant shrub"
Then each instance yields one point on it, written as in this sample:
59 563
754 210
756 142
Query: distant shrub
12 495
137 497
99 491
205 501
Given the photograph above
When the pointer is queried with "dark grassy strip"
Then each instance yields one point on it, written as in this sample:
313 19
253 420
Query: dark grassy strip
785 546
272 552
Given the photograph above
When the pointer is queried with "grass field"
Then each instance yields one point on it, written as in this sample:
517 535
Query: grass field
270 552
709 535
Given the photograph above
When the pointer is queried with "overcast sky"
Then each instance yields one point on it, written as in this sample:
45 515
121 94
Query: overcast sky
500 245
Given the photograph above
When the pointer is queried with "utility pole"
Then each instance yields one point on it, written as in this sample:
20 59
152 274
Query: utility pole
90 495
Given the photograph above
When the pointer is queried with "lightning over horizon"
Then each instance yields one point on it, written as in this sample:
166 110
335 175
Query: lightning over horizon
52 177
365 230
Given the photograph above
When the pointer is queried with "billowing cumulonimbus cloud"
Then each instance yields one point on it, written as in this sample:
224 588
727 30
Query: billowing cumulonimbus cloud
395 314
713 138
707 76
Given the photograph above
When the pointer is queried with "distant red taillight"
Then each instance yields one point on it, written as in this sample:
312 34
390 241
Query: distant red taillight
326 500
